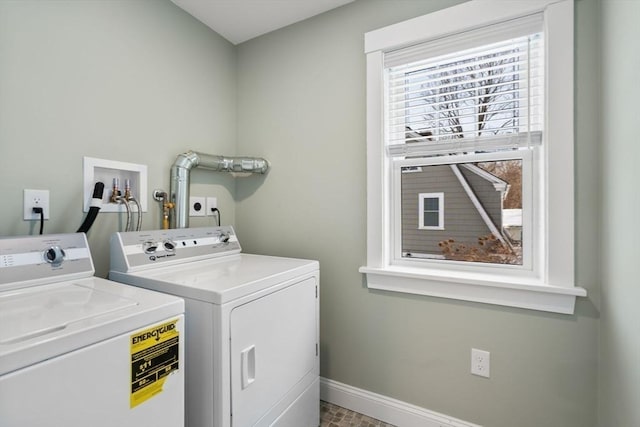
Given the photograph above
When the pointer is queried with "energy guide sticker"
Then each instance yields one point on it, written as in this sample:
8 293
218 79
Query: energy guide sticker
154 355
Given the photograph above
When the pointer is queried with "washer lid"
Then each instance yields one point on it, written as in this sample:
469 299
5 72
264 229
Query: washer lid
41 322
36 312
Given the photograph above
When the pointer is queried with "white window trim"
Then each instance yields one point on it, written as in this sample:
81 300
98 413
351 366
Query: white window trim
552 288
440 197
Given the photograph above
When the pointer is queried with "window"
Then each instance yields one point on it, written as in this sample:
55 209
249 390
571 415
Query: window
431 211
470 115
484 214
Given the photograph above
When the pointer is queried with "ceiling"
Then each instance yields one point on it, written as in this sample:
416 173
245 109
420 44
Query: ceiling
242 20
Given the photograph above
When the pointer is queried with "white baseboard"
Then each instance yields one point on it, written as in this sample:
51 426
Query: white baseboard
384 408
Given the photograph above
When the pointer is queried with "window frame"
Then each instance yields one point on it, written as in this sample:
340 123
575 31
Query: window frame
421 211
549 284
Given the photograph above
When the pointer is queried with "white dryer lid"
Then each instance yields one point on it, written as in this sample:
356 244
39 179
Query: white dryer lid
220 280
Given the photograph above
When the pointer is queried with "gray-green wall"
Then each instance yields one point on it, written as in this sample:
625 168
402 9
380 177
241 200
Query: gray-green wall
133 81
303 89
619 379
141 81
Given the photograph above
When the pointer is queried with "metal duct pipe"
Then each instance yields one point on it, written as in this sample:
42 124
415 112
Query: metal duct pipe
181 171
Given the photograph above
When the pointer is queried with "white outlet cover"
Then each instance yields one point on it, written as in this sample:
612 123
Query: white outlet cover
194 202
480 362
212 202
35 198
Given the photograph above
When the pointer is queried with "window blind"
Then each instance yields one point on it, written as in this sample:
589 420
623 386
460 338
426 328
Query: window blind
481 90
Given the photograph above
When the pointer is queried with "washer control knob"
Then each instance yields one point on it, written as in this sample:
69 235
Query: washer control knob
224 237
54 255
169 245
149 247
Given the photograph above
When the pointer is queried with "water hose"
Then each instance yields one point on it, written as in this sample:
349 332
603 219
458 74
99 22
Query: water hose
96 205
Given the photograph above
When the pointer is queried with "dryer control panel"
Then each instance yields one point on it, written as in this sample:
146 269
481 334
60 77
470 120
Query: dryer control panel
134 250
31 260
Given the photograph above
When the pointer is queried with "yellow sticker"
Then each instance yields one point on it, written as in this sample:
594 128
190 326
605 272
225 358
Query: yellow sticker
154 355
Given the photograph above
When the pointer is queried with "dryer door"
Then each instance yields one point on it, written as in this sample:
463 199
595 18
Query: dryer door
273 352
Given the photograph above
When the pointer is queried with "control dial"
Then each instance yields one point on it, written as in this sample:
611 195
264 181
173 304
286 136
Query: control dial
149 247
169 245
224 237
54 255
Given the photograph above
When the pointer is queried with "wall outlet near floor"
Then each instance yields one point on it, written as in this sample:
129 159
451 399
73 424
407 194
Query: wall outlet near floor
197 206
480 362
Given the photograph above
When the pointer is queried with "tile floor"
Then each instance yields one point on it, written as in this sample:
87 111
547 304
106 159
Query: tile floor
335 416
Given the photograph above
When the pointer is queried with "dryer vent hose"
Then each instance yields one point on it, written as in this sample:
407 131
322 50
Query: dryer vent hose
180 177
96 205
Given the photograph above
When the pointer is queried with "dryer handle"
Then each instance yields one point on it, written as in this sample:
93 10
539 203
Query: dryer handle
248 366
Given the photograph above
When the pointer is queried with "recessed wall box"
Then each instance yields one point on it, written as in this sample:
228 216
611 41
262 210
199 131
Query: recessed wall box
105 171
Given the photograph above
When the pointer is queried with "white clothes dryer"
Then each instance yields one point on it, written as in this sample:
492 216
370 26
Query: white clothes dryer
77 350
251 324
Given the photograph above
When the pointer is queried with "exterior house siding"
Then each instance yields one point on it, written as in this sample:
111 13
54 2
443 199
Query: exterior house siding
490 198
462 221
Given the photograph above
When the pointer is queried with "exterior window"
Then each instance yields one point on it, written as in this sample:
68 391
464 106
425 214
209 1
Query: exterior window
484 217
467 115
431 211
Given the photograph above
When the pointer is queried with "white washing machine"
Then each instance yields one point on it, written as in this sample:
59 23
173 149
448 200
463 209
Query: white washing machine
77 350
251 324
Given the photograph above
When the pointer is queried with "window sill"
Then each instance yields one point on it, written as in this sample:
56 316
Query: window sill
521 293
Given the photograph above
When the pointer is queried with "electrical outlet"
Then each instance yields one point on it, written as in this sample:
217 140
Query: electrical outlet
197 206
212 203
35 199
480 362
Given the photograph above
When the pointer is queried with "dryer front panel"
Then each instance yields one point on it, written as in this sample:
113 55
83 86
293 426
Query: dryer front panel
273 349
